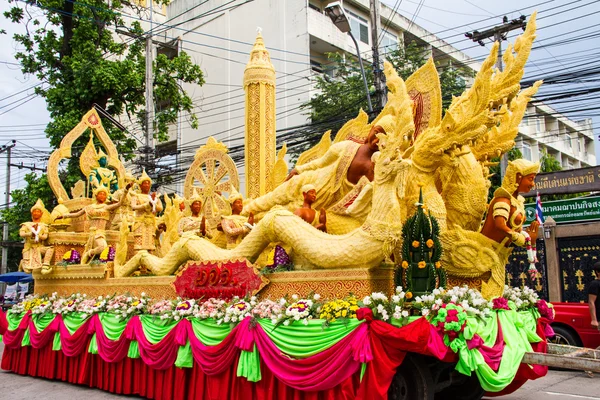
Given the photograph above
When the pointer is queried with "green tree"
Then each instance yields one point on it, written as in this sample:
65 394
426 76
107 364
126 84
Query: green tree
341 97
72 48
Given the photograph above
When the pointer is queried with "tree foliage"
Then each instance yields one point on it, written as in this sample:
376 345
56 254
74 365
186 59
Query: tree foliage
341 91
72 47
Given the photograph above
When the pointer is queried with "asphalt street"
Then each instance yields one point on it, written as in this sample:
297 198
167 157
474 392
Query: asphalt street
557 385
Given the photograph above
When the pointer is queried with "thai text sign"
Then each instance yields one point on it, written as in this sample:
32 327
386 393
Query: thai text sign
569 181
571 210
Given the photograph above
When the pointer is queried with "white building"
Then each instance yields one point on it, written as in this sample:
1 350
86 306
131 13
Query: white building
219 37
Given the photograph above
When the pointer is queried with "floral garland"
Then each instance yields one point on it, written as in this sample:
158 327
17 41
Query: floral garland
523 299
293 309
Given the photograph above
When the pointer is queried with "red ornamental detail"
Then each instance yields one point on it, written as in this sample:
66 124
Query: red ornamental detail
223 279
93 120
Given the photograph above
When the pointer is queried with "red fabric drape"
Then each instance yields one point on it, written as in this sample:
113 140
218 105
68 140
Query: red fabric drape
134 377
3 322
389 346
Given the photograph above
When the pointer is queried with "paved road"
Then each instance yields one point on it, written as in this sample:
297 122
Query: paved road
557 385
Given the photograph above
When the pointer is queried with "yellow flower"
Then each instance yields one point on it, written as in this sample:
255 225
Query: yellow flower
429 243
415 244
421 264
408 295
344 313
404 264
353 308
438 264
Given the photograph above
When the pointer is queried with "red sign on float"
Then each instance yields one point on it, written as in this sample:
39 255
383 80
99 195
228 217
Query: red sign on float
218 279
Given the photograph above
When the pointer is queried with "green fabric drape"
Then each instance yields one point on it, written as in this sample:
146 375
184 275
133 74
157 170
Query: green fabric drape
155 329
249 365
208 332
311 339
73 321
185 358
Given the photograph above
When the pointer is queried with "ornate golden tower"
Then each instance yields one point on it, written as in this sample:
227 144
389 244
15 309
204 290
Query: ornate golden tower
259 84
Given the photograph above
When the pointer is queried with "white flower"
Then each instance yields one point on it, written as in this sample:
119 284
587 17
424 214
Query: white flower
405 313
396 299
305 322
367 301
317 296
286 322
425 311
294 297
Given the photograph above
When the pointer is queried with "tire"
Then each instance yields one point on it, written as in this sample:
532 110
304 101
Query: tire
564 336
463 388
413 381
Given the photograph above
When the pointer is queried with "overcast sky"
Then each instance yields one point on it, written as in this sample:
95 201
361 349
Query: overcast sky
449 19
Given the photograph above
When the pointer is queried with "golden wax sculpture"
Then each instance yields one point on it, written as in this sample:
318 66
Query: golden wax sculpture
448 158
259 151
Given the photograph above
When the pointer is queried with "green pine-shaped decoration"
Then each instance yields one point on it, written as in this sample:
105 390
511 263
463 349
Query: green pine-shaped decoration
420 270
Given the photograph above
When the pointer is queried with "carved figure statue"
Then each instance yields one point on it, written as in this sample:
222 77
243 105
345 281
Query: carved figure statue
334 174
102 175
194 224
306 212
124 214
235 226
146 205
98 215
36 254
448 159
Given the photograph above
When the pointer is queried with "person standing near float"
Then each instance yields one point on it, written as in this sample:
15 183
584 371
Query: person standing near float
594 296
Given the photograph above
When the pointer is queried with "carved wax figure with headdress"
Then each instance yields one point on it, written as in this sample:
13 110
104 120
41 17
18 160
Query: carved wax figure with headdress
102 175
194 224
345 166
146 205
235 226
124 213
505 217
98 215
35 252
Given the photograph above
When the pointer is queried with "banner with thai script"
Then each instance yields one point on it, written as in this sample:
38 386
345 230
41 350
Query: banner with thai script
570 210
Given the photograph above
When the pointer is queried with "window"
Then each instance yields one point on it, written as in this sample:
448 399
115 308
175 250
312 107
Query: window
569 164
526 151
359 27
538 122
387 42
568 141
316 66
314 7
578 146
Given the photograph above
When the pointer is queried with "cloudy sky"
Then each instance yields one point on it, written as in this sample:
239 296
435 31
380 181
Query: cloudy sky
568 29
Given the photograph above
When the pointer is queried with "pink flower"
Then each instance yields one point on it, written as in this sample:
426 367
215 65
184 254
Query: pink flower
500 303
545 310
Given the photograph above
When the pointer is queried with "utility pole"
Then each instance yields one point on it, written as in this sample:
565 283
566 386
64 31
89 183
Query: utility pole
149 144
499 33
379 78
6 148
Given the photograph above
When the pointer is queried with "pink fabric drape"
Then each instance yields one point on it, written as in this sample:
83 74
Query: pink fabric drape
491 355
13 339
163 354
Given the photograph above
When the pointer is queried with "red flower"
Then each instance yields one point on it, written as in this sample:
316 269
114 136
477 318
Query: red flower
452 316
500 303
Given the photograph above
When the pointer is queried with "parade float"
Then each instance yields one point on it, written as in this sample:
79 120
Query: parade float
365 272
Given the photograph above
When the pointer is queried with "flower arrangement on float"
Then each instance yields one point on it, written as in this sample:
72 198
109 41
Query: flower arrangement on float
395 309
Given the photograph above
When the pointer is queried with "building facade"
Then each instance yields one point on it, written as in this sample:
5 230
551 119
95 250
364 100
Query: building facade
299 35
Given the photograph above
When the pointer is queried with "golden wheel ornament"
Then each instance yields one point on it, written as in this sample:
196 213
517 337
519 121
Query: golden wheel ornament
212 174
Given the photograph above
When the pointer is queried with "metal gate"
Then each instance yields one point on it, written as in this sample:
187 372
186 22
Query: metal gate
516 270
576 257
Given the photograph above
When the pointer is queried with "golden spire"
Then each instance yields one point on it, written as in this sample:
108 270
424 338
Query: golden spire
259 152
259 68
